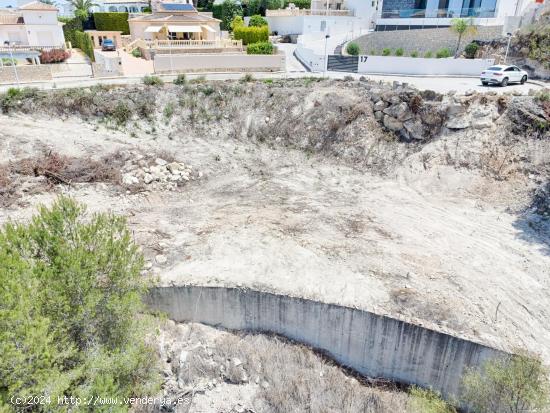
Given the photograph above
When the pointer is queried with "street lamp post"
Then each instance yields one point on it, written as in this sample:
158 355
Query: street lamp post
14 65
326 55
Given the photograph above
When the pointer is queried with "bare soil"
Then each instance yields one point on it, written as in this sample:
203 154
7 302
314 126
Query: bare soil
304 193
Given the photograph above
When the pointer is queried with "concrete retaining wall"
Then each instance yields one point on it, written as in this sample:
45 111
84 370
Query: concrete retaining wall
223 62
422 40
421 66
373 345
27 73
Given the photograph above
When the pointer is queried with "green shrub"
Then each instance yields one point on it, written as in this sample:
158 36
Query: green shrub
229 9
260 48
70 307
168 110
470 50
180 79
302 4
136 52
399 51
6 61
152 81
111 21
428 55
414 53
257 21
247 78
71 26
251 35
443 53
386 51
237 22
353 49
514 384
427 401
84 42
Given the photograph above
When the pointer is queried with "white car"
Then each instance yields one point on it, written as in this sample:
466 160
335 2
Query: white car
502 75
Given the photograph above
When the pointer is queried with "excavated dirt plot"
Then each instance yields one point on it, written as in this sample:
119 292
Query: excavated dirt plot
286 196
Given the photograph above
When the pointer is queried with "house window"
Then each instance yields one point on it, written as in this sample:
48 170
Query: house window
323 25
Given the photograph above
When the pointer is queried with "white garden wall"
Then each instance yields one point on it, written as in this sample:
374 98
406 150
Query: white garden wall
422 66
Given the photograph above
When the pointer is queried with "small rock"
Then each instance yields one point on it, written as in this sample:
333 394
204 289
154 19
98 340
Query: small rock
160 162
392 124
161 259
174 167
236 362
400 112
148 178
458 123
128 179
380 105
378 115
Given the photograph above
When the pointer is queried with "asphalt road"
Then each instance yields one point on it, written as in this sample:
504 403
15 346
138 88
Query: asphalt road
439 84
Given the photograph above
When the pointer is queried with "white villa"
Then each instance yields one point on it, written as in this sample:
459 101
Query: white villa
31 25
336 16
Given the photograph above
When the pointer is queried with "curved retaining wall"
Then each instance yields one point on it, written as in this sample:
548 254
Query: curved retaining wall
371 344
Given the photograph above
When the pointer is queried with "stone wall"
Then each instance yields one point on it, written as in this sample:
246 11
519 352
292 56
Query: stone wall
422 40
25 73
222 62
371 344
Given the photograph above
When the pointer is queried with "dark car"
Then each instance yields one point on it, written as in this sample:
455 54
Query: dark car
107 45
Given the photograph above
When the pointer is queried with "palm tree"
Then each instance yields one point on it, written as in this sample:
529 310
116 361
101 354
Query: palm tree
50 2
462 27
82 8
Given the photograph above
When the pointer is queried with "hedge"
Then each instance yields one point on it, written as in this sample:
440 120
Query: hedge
70 27
251 35
302 4
260 48
83 41
257 21
112 21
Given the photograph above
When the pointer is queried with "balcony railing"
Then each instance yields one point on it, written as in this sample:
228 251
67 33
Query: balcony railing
199 44
307 12
27 48
437 13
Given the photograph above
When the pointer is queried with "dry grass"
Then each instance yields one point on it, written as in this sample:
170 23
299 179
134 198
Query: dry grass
293 378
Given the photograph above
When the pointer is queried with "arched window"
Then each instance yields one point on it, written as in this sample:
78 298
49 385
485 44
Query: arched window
112 8
133 9
122 9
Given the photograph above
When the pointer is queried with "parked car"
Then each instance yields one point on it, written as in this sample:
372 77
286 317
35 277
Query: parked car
502 75
107 45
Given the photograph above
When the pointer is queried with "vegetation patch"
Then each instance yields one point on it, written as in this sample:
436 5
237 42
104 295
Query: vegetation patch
71 312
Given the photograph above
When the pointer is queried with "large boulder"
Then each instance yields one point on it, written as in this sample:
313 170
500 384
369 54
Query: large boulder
392 123
399 111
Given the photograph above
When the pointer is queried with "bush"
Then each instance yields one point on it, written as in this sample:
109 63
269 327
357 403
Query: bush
136 52
427 401
414 53
251 35
470 50
399 52
443 53
428 55
247 78
257 21
54 56
71 26
229 9
514 384
237 22
70 307
180 80
83 41
111 21
302 4
152 80
260 48
386 52
353 49
6 61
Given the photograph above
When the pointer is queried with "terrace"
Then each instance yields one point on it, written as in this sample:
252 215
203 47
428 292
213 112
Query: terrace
307 12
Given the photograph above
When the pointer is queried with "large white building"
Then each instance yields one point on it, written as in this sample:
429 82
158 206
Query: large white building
413 14
334 16
32 24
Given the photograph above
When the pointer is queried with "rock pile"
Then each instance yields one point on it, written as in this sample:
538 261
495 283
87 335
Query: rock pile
157 173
